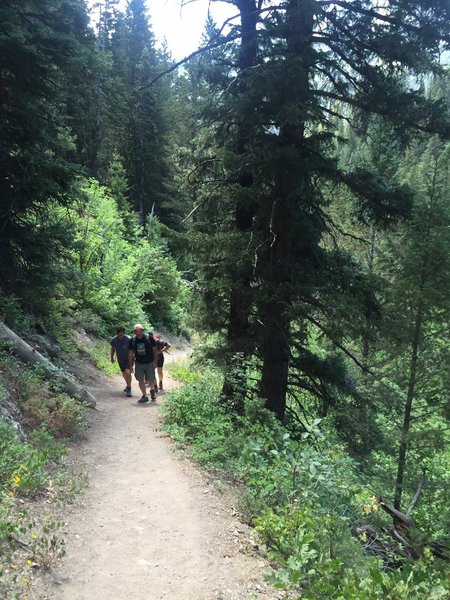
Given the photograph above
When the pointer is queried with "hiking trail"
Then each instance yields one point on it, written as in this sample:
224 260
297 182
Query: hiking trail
150 525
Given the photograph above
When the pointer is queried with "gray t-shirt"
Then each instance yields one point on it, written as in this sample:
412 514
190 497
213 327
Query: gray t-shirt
121 346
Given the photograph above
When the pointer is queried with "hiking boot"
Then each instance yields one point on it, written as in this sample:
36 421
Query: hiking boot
128 393
160 385
143 399
155 387
153 395
125 390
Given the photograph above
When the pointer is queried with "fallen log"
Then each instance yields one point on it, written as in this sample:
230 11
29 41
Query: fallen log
30 355
404 531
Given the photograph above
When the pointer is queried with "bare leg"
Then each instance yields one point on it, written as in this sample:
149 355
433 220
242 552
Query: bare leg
160 377
142 387
152 383
127 376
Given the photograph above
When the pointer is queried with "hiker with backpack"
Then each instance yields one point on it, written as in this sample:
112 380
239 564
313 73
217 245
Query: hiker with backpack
120 344
142 353
161 347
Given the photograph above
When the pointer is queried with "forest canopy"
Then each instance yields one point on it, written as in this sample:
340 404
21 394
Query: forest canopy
283 194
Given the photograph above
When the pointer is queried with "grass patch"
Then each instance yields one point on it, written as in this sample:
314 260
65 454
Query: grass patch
100 355
182 371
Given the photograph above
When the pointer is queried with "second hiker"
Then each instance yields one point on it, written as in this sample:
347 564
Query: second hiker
120 345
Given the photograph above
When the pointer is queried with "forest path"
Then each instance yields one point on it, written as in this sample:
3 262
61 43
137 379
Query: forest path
149 525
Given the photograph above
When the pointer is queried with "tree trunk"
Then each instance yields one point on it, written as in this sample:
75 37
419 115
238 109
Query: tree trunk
408 409
290 191
235 381
28 354
276 355
418 325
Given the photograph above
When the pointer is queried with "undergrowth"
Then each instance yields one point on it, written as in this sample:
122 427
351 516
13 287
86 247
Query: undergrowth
43 403
32 467
304 502
100 356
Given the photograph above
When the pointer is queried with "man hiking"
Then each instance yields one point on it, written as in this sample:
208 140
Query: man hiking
120 345
142 352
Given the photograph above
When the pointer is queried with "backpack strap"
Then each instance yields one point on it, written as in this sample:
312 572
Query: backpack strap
133 342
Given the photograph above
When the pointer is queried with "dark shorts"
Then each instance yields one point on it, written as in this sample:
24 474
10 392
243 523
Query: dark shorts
160 360
144 371
123 366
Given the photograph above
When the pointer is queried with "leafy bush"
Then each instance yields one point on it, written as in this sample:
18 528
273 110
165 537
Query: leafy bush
183 374
100 356
192 414
61 415
318 556
303 501
11 314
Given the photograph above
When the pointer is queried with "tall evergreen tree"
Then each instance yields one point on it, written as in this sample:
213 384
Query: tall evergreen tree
318 61
136 112
44 50
417 266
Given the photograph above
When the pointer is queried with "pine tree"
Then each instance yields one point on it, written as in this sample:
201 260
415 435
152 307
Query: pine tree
44 50
417 265
117 183
319 62
136 111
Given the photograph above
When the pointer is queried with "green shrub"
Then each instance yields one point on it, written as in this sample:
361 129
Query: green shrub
318 557
59 414
11 313
43 404
100 356
183 374
22 466
56 449
192 414
303 501
313 548
24 471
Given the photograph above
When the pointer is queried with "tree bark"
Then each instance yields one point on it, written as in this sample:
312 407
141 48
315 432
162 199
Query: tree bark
418 325
28 354
290 191
408 409
235 381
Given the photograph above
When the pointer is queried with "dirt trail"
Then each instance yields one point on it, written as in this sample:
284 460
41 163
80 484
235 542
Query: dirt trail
149 525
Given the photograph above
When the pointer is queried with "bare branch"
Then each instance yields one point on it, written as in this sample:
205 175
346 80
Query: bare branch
416 497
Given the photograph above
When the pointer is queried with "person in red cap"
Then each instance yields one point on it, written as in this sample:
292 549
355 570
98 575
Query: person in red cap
161 347
142 352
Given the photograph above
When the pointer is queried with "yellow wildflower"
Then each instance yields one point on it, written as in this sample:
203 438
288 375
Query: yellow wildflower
372 505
